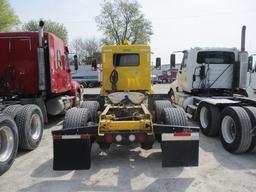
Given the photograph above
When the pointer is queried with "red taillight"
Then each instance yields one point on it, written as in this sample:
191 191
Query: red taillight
57 137
109 138
141 137
84 136
182 134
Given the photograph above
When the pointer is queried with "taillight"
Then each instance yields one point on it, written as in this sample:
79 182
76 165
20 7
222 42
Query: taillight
84 136
141 137
57 137
109 138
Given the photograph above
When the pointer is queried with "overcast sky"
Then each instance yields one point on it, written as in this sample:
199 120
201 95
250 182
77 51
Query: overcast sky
177 24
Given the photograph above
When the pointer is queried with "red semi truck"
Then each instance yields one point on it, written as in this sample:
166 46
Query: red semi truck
168 76
35 81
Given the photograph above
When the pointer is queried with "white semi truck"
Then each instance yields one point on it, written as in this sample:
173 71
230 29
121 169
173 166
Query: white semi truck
211 86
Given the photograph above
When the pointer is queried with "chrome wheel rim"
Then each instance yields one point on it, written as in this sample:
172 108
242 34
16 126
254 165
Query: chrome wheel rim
6 143
204 121
228 129
36 126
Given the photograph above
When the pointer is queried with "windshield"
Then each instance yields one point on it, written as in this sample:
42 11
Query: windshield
124 60
215 57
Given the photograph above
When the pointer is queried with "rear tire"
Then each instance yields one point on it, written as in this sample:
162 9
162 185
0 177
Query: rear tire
8 142
159 106
235 133
30 125
93 107
209 119
76 118
251 111
12 110
174 116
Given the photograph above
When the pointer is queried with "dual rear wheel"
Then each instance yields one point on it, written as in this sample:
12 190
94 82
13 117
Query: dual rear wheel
167 114
20 127
235 126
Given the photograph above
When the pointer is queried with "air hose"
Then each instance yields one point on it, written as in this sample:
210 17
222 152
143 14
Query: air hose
113 79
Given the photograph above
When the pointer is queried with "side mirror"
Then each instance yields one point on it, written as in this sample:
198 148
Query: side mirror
75 62
250 64
173 60
158 63
94 65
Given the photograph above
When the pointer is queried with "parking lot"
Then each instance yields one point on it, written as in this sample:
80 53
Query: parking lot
129 168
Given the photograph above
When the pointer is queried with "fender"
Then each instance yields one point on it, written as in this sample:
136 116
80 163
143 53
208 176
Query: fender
75 91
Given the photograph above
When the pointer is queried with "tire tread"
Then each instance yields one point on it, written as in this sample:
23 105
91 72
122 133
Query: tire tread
159 106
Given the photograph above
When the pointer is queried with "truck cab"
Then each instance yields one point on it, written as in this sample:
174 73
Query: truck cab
211 70
126 68
22 73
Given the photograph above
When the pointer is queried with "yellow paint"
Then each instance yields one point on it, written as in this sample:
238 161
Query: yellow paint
131 78
109 125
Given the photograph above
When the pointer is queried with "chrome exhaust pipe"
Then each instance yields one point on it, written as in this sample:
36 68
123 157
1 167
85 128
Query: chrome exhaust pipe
243 39
41 58
41 33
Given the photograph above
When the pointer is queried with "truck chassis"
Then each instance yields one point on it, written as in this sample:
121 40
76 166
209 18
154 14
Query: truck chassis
72 144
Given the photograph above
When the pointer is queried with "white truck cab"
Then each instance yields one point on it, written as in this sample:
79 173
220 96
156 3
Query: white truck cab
215 71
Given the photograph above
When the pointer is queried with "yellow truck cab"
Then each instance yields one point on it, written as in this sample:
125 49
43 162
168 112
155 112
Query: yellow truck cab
132 63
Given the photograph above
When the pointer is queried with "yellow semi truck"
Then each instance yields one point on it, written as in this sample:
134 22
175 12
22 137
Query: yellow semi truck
126 111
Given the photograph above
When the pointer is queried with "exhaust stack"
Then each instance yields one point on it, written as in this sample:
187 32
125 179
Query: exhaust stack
41 33
40 58
243 39
243 64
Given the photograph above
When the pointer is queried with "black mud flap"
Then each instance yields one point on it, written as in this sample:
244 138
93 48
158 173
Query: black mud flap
180 149
71 154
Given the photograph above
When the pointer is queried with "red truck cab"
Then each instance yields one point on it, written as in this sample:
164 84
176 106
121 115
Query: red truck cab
19 71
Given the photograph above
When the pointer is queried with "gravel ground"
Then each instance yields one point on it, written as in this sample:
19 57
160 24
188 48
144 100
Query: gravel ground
129 168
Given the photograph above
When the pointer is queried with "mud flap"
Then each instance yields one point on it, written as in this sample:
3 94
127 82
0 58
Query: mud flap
71 152
180 149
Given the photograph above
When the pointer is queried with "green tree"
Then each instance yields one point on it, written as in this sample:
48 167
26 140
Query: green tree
122 19
56 28
7 17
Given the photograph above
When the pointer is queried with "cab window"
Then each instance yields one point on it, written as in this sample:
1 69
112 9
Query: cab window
215 57
126 60
66 61
58 58
184 60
